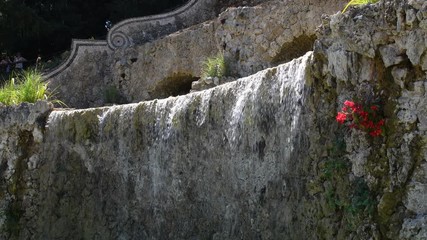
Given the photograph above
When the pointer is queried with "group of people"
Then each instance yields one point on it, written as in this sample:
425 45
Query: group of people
8 64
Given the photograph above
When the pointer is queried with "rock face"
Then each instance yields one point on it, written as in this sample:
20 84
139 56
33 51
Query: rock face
258 158
251 38
21 138
376 54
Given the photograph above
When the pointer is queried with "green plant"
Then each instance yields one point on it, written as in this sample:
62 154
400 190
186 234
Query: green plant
214 67
360 204
358 2
335 164
27 86
362 199
349 198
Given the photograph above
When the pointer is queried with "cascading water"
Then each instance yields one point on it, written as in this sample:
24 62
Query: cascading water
208 165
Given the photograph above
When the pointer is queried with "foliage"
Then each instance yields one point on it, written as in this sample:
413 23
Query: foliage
214 67
351 199
27 86
364 118
362 199
358 2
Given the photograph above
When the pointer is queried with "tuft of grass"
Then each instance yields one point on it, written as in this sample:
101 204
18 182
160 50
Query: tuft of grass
358 2
32 88
214 67
27 86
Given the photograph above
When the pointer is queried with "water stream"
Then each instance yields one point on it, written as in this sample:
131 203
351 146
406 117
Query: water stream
209 164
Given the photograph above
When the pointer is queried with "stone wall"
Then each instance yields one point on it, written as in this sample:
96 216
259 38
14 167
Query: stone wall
206 165
83 79
135 31
86 74
258 158
377 55
21 139
251 38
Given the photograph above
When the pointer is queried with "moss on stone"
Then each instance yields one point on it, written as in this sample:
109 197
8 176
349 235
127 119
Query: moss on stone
17 187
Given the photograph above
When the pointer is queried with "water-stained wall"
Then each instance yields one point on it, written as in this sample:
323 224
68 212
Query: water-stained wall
222 164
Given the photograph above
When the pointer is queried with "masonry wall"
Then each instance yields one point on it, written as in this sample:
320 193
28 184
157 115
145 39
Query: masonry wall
251 39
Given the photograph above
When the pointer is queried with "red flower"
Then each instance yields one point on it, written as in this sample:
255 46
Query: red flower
350 104
375 133
361 118
341 117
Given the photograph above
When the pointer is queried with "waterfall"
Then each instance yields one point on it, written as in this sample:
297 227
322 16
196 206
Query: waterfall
199 165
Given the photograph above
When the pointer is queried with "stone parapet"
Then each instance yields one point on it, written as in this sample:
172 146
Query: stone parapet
135 31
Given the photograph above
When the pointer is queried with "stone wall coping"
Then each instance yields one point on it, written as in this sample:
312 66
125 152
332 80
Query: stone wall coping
76 46
117 36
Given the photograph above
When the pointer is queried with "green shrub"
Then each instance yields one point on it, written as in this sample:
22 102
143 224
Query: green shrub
27 86
214 67
358 2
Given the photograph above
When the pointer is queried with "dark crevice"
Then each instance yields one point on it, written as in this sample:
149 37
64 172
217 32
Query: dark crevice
294 49
179 84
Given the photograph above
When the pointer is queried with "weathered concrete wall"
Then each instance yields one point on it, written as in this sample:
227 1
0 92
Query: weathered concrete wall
251 38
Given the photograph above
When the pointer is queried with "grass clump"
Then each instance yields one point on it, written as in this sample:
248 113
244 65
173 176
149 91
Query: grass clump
214 67
358 2
27 86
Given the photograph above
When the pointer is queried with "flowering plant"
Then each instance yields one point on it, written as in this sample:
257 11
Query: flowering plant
363 118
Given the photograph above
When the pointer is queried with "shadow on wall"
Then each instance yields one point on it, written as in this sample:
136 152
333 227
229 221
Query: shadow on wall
113 96
178 84
298 47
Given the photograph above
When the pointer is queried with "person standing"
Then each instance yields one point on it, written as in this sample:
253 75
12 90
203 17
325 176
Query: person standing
5 61
19 62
